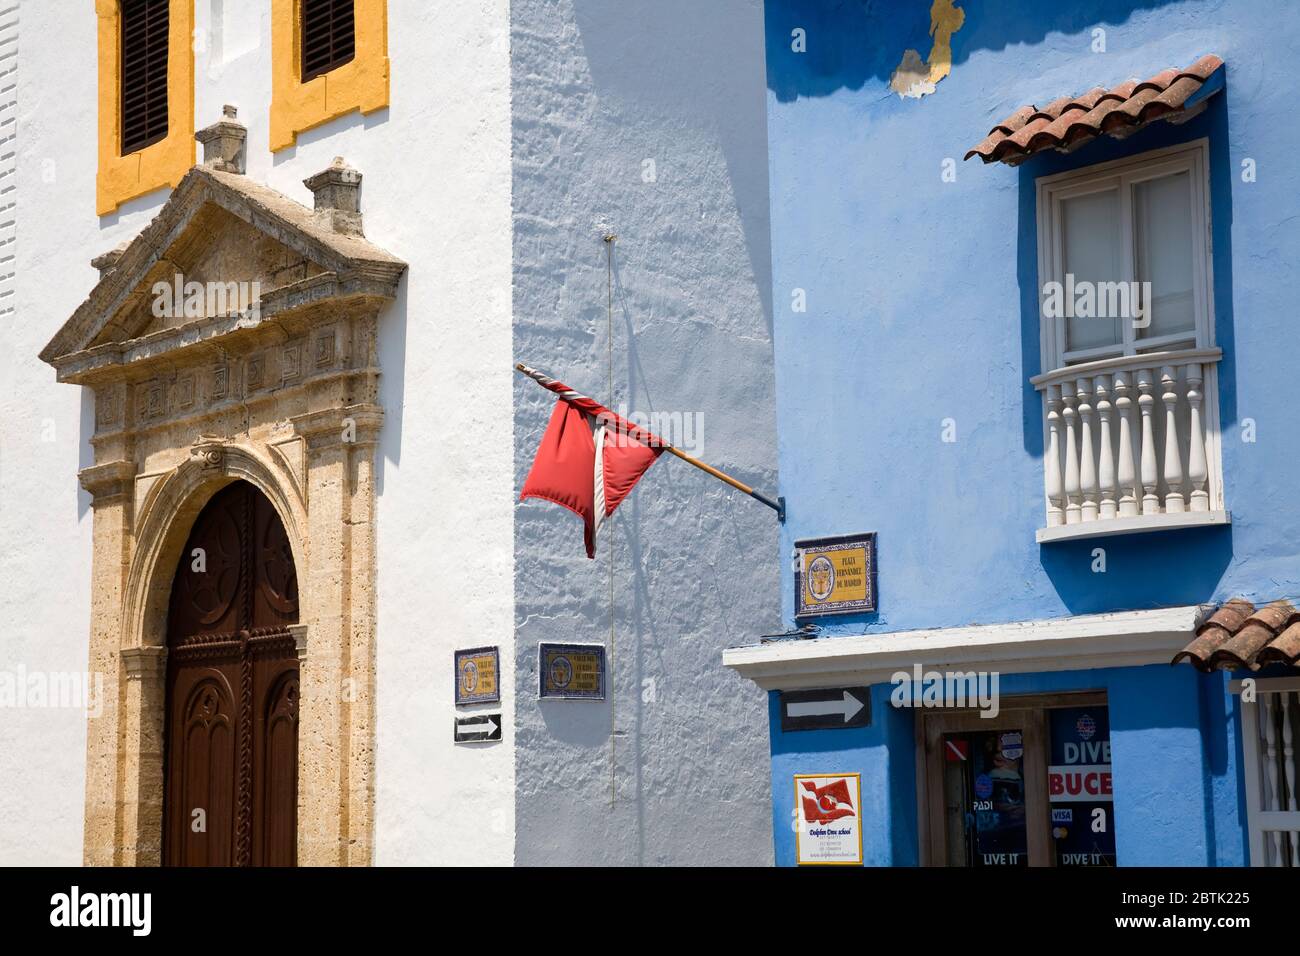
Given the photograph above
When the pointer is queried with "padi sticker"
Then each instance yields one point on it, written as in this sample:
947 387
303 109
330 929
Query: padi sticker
983 786
1012 745
1063 816
1085 727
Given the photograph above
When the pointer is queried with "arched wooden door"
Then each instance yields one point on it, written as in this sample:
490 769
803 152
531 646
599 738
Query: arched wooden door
231 767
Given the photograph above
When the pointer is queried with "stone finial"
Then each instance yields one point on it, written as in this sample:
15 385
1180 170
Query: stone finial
337 193
224 141
107 262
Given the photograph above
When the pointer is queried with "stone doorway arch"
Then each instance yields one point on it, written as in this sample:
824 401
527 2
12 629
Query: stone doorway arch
280 392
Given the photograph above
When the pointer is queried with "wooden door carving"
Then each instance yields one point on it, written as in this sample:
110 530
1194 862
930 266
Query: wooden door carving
231 765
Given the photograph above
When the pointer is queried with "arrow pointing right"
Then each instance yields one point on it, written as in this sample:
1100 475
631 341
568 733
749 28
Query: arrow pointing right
849 706
476 728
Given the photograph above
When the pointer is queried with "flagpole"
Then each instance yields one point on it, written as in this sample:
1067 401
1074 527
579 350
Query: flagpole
559 388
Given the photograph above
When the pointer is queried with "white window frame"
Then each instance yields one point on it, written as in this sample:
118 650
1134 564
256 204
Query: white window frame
1177 350
1263 820
1192 158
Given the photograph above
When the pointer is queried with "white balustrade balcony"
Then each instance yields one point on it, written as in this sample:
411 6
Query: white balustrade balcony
1127 447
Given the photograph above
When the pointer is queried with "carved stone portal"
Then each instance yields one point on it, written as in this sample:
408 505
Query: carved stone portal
277 386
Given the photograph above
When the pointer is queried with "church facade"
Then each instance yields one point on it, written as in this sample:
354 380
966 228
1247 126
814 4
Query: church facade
263 441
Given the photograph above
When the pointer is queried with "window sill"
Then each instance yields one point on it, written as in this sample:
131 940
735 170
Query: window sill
1134 525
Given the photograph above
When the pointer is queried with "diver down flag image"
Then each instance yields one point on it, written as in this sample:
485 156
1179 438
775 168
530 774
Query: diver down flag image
824 804
589 461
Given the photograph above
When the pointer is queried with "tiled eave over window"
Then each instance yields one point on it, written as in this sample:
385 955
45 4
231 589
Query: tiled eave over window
1071 121
1237 635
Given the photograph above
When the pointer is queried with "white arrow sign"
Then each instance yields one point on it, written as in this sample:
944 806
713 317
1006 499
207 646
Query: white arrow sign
477 728
848 706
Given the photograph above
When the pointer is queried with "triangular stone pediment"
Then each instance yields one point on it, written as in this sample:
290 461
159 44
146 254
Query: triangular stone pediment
218 266
223 251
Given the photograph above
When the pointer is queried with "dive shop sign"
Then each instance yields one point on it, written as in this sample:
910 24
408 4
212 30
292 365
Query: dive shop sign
835 575
828 819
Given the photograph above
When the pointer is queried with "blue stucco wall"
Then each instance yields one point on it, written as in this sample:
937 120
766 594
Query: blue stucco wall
921 302
1177 802
921 306
881 752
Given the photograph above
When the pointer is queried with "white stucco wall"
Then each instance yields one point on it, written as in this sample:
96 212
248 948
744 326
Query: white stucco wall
673 769
44 515
437 193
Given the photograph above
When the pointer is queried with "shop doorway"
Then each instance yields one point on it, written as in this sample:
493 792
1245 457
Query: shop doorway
1029 787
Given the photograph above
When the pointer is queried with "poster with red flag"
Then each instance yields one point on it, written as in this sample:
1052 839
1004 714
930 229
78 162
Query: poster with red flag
588 461
828 819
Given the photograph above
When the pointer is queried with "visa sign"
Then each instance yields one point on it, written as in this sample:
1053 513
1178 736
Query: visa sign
1087 783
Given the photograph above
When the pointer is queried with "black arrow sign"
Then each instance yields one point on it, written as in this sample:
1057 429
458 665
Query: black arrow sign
478 728
830 708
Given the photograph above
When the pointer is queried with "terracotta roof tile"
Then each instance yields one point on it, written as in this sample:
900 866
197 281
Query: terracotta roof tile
1016 120
1159 81
1070 121
1075 110
1238 635
1230 616
1283 649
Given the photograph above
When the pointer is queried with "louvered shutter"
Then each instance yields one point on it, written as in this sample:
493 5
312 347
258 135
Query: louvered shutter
144 72
328 36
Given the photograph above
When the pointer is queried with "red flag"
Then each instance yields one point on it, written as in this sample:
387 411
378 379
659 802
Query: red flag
588 461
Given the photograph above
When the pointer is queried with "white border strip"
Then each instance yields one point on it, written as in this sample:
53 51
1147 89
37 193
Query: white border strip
8 156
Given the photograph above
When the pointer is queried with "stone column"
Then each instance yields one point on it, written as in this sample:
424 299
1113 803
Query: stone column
361 711
110 485
144 692
336 678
